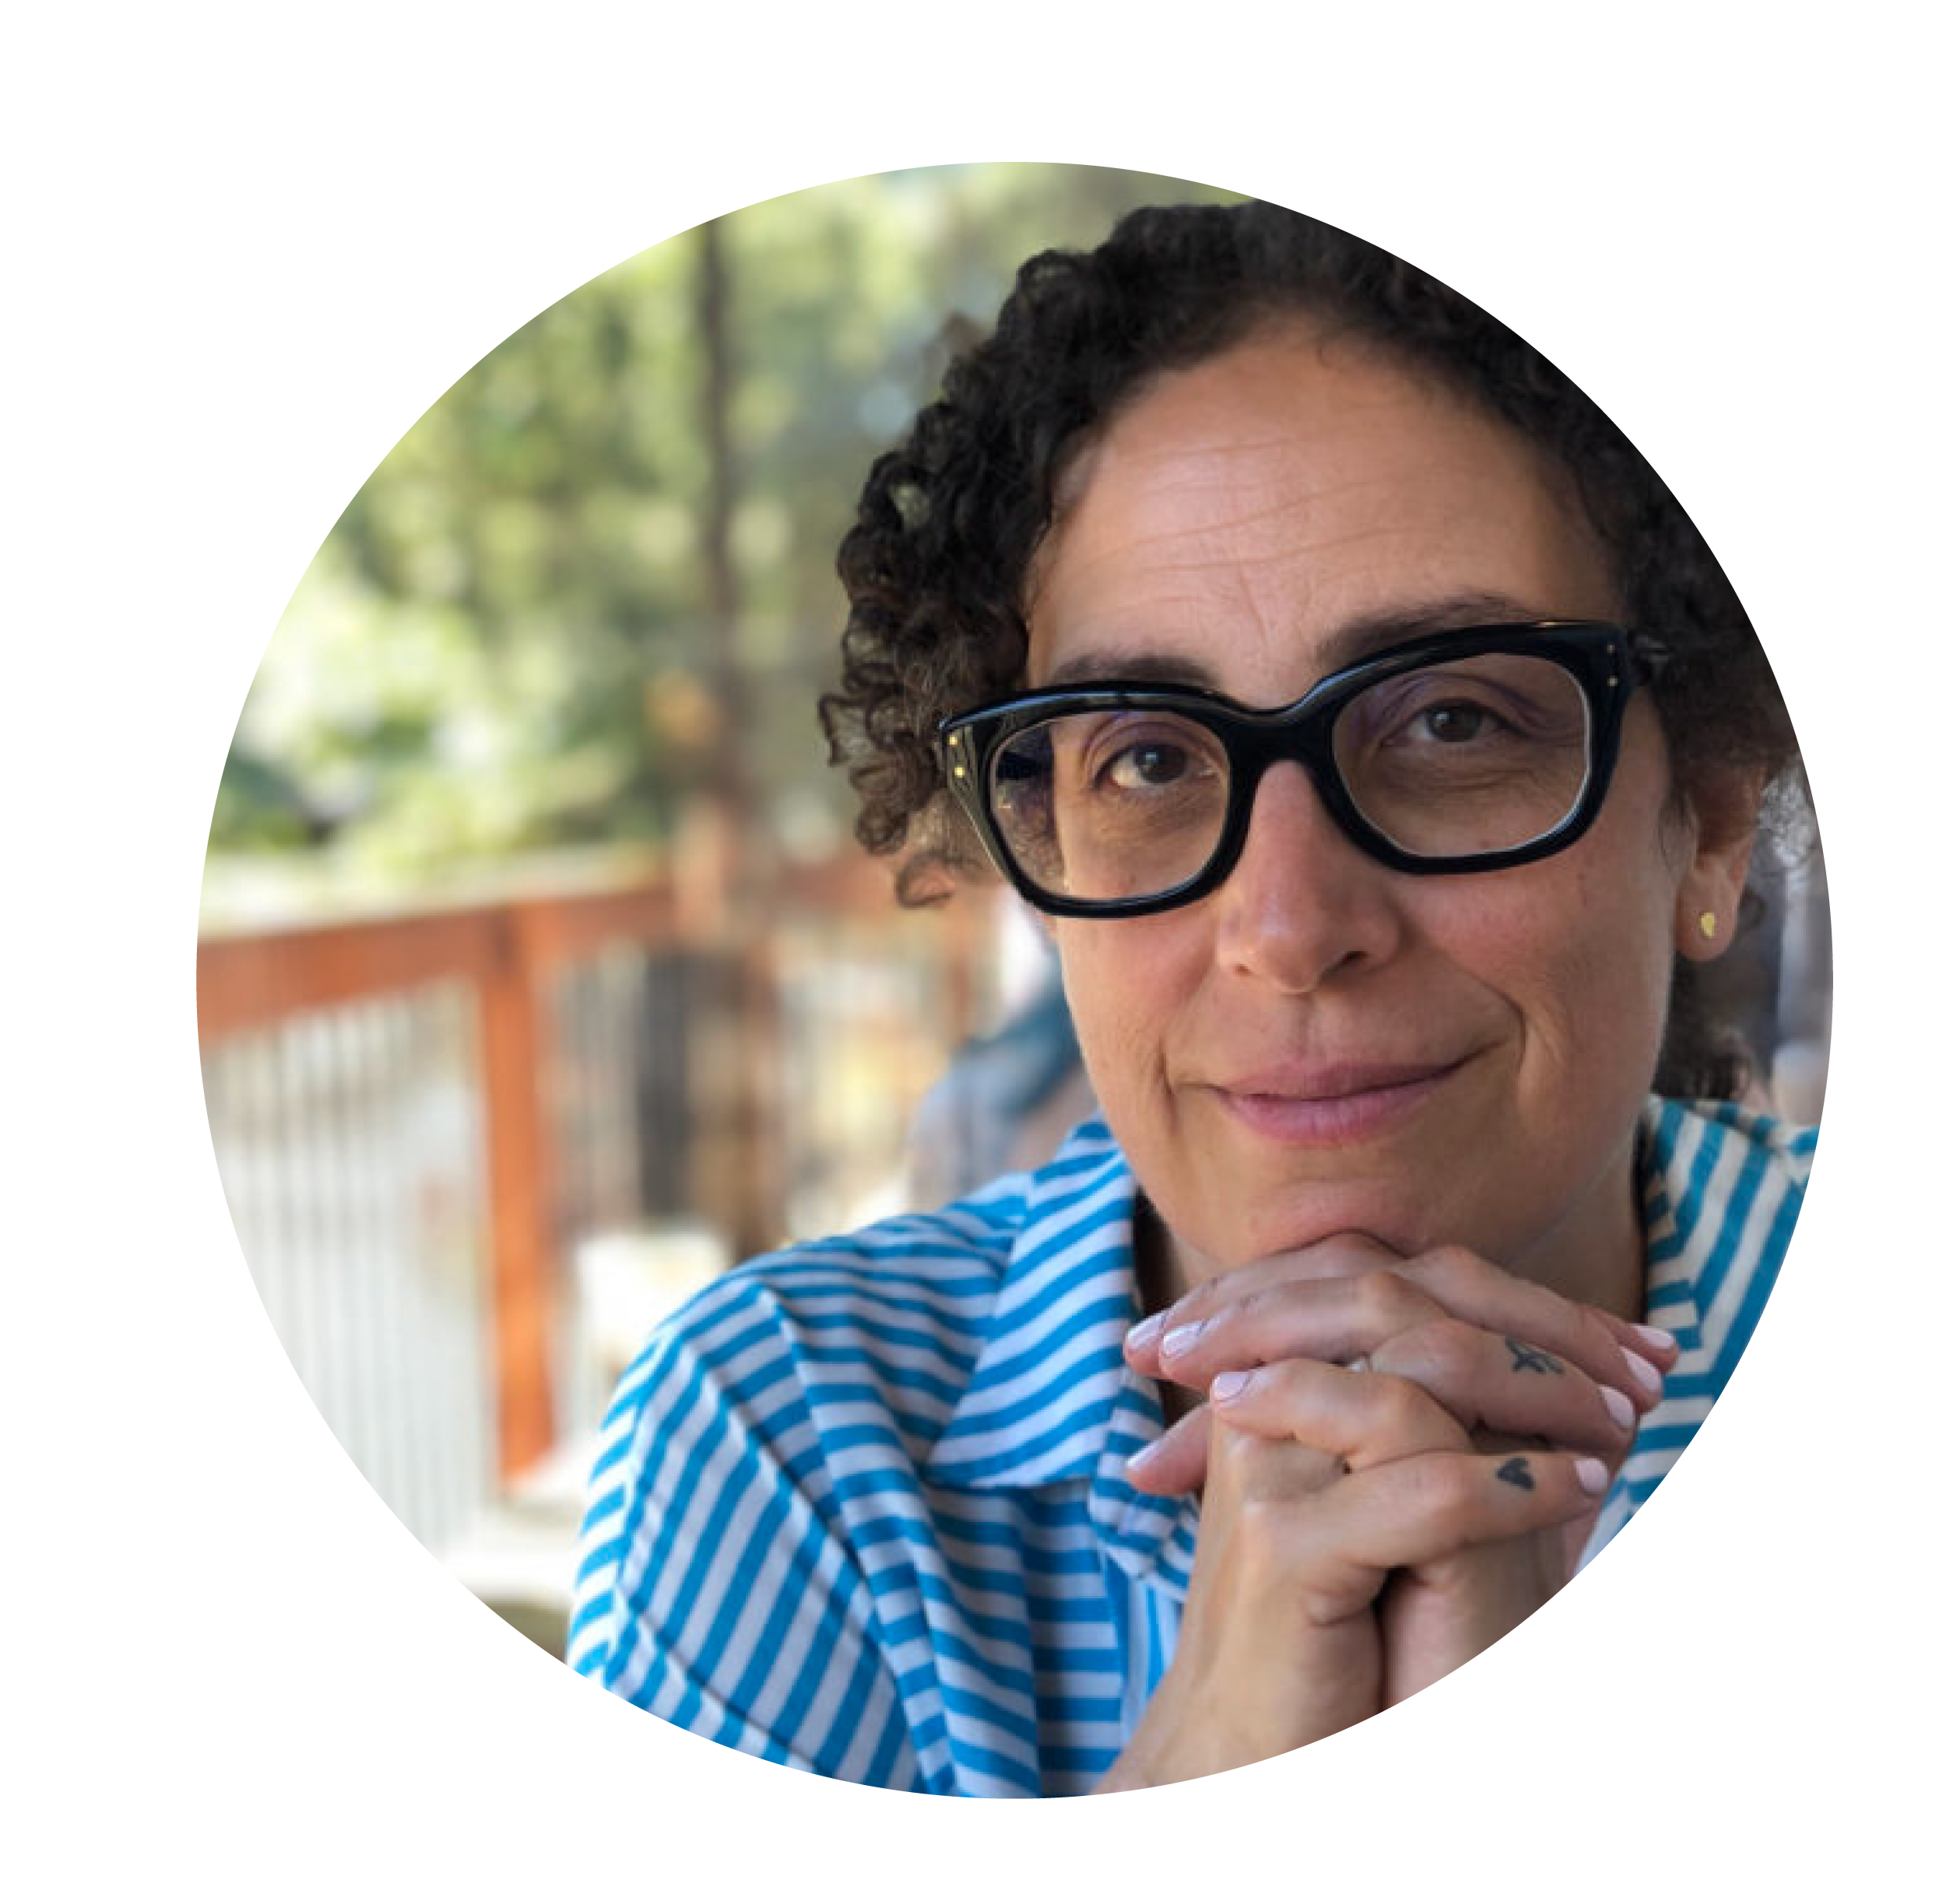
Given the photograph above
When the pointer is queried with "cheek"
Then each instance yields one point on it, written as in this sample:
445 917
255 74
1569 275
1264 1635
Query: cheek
1126 981
1581 947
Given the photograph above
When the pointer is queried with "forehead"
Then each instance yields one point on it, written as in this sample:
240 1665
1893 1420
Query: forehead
1261 518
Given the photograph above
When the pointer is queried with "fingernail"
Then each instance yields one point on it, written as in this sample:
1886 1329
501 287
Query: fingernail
1642 1370
1657 1338
1590 1473
1146 1454
1181 1341
1618 1407
1230 1384
1145 1331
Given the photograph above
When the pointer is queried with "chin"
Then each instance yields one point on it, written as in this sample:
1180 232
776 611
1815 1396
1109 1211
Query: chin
1296 1218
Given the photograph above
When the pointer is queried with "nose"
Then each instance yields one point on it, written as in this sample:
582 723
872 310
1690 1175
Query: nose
1302 902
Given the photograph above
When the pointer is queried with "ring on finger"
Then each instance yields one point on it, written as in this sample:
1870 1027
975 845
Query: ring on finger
1361 1364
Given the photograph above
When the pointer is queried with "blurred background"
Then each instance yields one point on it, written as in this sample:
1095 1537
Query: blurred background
540 978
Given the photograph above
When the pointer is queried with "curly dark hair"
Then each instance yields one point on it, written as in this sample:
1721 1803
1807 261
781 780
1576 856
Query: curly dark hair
937 565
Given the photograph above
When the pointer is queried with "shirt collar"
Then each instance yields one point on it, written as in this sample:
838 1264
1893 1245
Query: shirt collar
1720 1188
1051 1398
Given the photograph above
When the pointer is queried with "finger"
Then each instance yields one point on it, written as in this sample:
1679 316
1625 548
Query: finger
1361 1420
1175 1461
1349 1253
1659 1347
1334 1319
1486 1379
1498 1384
1474 1289
1345 1297
1425 1507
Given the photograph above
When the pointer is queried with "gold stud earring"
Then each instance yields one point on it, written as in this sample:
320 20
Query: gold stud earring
1707 923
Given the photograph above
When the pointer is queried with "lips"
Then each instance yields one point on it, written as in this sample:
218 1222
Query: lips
1325 1081
1328 1102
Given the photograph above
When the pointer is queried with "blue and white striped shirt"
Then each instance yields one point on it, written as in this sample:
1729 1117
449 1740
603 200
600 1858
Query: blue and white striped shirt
861 1507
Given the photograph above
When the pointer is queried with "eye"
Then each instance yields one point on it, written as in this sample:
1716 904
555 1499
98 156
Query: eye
1455 723
1147 766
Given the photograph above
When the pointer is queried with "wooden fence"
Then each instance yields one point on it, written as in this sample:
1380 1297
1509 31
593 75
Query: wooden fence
418 1117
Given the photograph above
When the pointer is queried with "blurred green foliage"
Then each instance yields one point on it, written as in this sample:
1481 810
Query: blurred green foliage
511 640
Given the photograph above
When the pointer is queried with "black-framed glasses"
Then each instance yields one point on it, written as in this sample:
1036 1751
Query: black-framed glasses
1455 753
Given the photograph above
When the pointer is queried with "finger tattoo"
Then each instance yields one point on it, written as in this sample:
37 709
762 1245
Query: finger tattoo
1527 1360
1518 1472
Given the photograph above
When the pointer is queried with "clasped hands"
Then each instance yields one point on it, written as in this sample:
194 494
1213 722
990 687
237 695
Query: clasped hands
1361 1534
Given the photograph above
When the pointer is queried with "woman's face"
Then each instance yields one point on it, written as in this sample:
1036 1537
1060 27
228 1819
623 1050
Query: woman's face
1322 1044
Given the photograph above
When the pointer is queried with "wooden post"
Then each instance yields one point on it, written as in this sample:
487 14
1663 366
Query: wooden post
521 1258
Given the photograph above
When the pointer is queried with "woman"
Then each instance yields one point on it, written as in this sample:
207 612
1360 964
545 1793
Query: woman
1384 751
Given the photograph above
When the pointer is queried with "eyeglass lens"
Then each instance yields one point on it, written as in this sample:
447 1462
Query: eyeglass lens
1468 756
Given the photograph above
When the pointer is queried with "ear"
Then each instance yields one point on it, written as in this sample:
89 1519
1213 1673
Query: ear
1721 837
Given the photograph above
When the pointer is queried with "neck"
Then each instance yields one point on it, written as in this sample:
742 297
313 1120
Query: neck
1163 1269
1598 1254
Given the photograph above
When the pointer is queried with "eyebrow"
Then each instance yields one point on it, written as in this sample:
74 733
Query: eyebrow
1357 638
